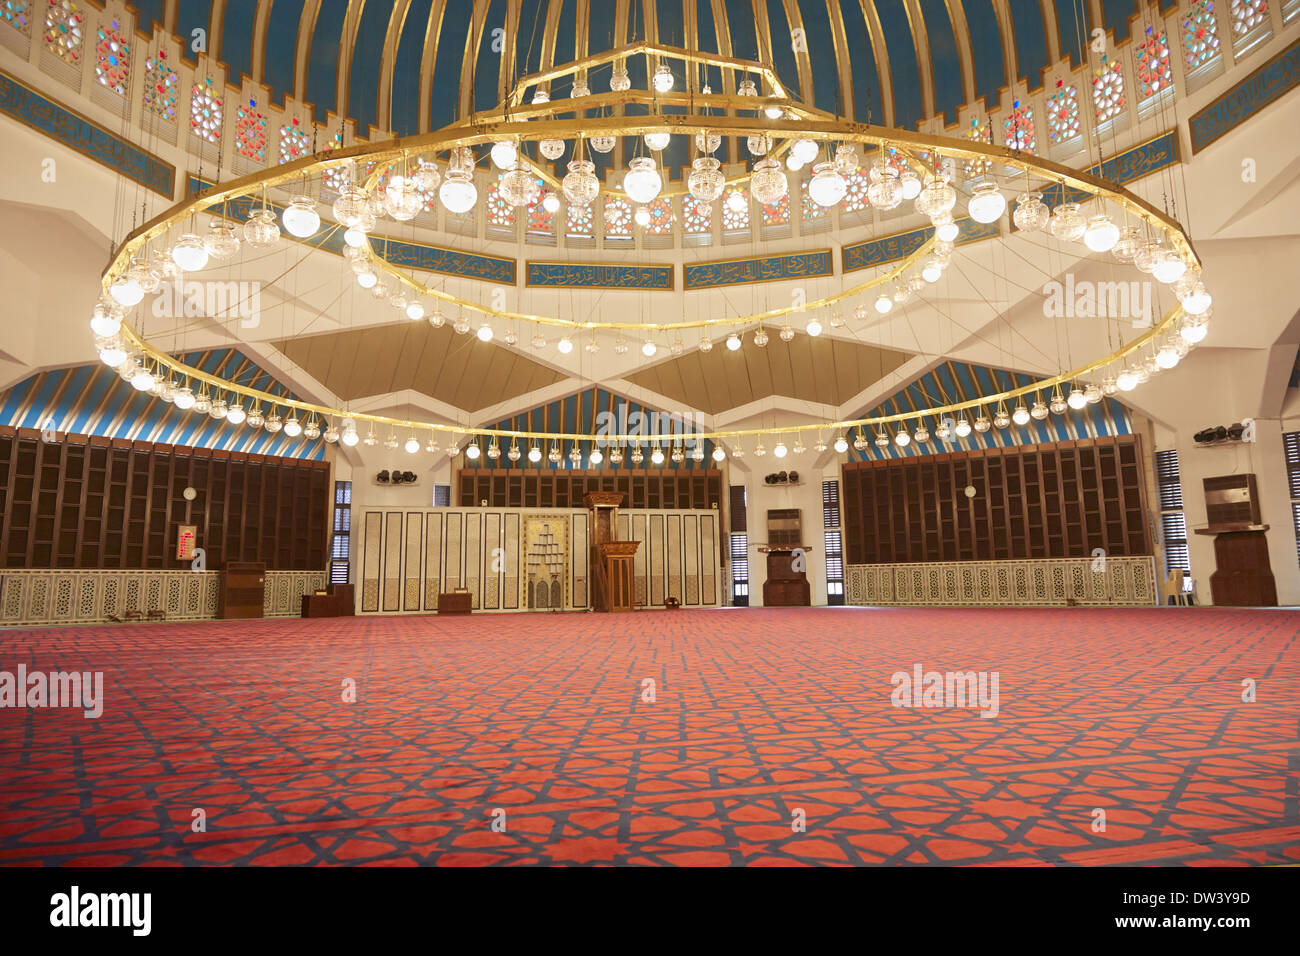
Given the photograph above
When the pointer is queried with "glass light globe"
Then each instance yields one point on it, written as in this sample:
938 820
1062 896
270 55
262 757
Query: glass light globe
184 399
390 441
736 201
747 88
911 185
601 144
619 81
642 216
648 348
1127 245
1166 357
472 451
580 185
1068 224
367 279
519 186
936 196
534 454
261 230
458 192
350 206
354 237
707 142
902 293
412 445
944 228
541 96
884 303
1039 411
1149 252
658 140
425 178
511 337
779 450
401 199
350 437
921 434
113 355
414 311
846 160
773 111
733 342
657 456
217 410
331 434
1101 234
221 241
760 338
804 150
759 144
615 456
292 427
1031 213
595 457
1077 399
189 253
235 414
300 217
759 450
105 320
504 154
706 344
642 182
885 191
1057 404
706 182
125 290
768 183
1194 329
787 333
1020 415
1170 267
565 346
1146 370
931 269
1108 386
551 148
986 203
982 424
461 326
813 328
902 439
1092 393
827 186
551 203
962 428
718 453
943 431
142 380
484 333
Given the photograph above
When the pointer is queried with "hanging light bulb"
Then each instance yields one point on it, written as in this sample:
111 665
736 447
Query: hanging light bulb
565 346
642 216
642 181
936 196
1127 245
519 186
982 423
513 454
105 319
189 254
1109 386
841 446
657 456
779 450
827 186
1058 405
615 456
1101 234
1169 268
787 334
658 140
885 191
1020 415
1149 252
884 303
619 81
760 337
221 241
412 445
962 427
1092 393
458 192
1067 223
1000 418
292 427
943 431
414 311
945 229
596 457
261 230
813 328
733 341
300 217
931 269
601 144
1192 295
551 148
718 453
846 160
1040 410
902 439
759 144
986 203
767 183
142 380
484 333
504 154
580 185
920 433
534 454
910 183
648 348
706 344
1167 356
707 142
472 451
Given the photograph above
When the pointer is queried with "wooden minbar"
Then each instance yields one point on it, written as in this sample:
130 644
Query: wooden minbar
611 559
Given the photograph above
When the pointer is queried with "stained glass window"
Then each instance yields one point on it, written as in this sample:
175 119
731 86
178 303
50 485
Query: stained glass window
580 220
63 30
112 59
499 212
160 86
293 142
810 209
539 220
1154 72
1108 90
18 14
775 214
1200 34
661 217
735 219
855 198
697 216
250 132
337 177
1018 128
1246 15
979 131
1063 114
205 111
618 217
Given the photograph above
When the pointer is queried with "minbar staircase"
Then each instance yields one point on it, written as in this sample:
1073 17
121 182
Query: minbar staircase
611 559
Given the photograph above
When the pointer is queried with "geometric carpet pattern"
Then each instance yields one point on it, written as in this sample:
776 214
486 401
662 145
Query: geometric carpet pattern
760 718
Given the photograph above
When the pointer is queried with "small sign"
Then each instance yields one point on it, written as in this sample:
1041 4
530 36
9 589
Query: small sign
186 539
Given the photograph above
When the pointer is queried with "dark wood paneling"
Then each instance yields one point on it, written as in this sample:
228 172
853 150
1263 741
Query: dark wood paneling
89 502
529 488
1032 501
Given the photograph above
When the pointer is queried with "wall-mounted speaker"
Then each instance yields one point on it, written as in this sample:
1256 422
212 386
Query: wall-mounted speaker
782 478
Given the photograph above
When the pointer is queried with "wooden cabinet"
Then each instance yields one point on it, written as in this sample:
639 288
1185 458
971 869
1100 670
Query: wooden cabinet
243 590
1031 501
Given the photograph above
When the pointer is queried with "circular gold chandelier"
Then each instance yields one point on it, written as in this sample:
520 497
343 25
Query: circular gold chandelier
904 166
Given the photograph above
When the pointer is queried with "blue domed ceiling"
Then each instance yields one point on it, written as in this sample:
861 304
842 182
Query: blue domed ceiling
887 61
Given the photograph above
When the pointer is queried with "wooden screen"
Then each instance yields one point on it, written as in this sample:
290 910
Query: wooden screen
536 488
91 502
1031 501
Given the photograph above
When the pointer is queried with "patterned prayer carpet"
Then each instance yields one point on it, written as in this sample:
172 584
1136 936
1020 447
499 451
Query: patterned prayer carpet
760 718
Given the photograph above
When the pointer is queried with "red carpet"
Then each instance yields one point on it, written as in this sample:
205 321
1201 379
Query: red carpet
757 714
